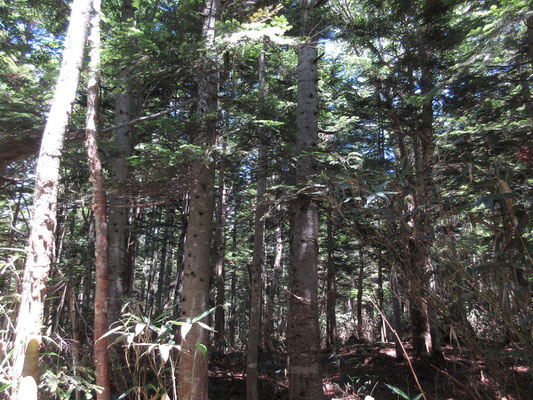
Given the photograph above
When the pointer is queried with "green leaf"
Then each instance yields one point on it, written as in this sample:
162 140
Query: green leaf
398 391
205 326
202 348
6 386
110 332
204 314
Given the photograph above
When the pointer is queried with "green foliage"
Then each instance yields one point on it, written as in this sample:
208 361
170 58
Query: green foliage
62 384
402 394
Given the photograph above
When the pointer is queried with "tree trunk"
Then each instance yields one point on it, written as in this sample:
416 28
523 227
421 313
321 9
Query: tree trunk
75 336
273 289
181 256
382 324
396 315
164 276
420 242
99 207
41 240
258 263
87 278
118 216
331 291
303 340
192 369
360 278
529 24
220 253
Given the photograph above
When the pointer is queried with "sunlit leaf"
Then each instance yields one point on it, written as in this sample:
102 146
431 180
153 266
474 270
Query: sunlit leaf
164 349
185 328
139 327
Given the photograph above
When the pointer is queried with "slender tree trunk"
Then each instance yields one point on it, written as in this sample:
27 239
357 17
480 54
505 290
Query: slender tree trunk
163 277
87 278
118 216
396 315
331 291
420 242
303 341
272 288
75 335
382 324
220 253
233 307
258 263
170 255
192 369
181 256
529 24
99 207
57 308
360 278
41 240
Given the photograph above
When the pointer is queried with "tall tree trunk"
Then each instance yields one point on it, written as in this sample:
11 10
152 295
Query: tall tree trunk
181 256
256 281
87 278
529 24
75 335
420 242
192 369
382 324
396 314
220 252
258 263
99 207
43 223
360 278
272 288
303 340
118 216
163 277
331 291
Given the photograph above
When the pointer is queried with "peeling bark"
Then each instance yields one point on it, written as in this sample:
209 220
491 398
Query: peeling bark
43 223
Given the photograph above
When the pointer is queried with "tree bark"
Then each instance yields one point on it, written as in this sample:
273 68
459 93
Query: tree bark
99 207
118 216
360 278
181 256
331 291
75 336
303 340
396 315
164 272
422 220
41 240
220 253
272 288
258 263
192 369
382 324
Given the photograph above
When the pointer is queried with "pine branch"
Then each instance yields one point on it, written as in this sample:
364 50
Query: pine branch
146 117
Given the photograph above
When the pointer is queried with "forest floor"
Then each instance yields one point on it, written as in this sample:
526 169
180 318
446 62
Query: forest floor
361 370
